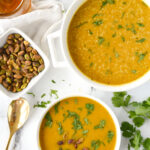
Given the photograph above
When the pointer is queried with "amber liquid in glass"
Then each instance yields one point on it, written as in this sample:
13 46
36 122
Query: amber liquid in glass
9 6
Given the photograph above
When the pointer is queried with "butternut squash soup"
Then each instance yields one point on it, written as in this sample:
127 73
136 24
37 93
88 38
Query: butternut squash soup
78 123
109 40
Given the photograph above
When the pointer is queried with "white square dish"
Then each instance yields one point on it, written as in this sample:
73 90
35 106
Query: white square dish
34 80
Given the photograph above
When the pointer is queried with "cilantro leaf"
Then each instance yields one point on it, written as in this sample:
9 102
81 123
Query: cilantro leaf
138 121
41 104
127 129
121 99
49 120
146 144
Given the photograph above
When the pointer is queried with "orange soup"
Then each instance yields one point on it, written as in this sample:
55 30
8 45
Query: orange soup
78 123
109 40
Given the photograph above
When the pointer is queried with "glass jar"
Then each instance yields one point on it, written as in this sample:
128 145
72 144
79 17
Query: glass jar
13 8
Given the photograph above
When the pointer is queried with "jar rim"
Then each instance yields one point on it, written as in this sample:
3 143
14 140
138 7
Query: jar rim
13 11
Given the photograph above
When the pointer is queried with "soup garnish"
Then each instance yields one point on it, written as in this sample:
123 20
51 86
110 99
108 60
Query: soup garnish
78 123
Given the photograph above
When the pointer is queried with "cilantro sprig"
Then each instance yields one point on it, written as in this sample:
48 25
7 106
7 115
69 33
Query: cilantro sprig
138 112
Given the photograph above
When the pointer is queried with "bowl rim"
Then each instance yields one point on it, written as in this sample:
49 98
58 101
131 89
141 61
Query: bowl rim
104 87
36 78
93 98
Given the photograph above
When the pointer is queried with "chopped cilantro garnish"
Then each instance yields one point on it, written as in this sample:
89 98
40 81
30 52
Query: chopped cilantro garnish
101 125
31 93
54 92
110 136
140 24
49 120
134 71
123 38
60 128
81 24
141 56
86 121
95 144
41 104
100 40
43 95
89 107
141 40
84 132
120 26
53 81
132 29
90 32
98 22
105 2
91 64
76 101
56 107
114 35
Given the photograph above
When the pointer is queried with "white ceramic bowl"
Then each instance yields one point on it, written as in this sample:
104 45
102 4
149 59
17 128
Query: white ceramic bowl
62 36
3 38
118 135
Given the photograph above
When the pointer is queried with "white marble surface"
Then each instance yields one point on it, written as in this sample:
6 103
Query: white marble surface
26 138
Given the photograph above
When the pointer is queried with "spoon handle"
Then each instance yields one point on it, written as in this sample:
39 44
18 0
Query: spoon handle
8 143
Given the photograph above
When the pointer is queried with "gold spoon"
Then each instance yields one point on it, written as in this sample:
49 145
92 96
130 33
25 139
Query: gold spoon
18 112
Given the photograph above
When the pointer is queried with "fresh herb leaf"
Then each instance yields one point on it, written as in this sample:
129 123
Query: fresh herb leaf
91 64
110 136
116 53
95 144
77 125
138 121
121 99
100 40
98 22
136 141
95 15
122 16
141 40
90 108
101 125
141 56
114 35
49 120
86 121
76 101
56 107
120 26
54 92
84 132
127 129
123 38
81 24
60 128
132 29
31 93
53 81
41 104
105 2
90 32
134 71
140 24
146 144
43 95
